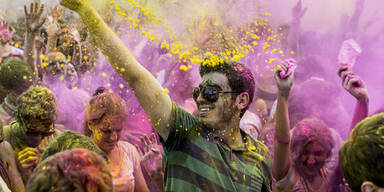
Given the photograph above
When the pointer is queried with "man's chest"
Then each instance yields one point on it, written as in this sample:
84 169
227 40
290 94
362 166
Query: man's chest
206 164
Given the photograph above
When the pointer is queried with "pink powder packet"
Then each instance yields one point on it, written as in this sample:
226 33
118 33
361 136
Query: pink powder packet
349 53
291 67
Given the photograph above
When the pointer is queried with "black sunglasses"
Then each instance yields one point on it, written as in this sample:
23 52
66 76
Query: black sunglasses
209 93
36 133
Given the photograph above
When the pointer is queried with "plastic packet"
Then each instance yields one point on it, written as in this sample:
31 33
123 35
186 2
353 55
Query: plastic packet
349 53
291 67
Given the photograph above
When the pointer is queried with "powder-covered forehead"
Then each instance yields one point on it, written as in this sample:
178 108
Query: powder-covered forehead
55 56
215 78
310 130
105 103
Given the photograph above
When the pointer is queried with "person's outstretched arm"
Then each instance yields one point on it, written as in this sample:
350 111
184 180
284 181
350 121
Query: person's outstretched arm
281 161
356 87
33 23
156 104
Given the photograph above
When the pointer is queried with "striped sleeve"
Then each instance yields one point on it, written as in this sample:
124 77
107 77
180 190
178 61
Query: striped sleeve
181 124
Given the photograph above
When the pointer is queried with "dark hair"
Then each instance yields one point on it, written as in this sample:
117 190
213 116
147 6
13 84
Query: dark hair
361 156
71 140
240 78
71 170
16 75
99 91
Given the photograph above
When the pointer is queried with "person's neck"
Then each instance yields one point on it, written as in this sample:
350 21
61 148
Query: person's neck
315 183
230 133
113 155
313 179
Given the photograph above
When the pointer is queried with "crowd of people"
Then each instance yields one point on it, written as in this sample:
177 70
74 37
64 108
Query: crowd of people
225 130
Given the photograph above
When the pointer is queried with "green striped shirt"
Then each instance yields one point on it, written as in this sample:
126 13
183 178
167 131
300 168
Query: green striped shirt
196 160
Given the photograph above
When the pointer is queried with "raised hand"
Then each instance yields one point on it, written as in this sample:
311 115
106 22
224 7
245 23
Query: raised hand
353 83
52 27
284 84
298 11
202 29
5 33
56 12
152 157
359 6
33 19
75 5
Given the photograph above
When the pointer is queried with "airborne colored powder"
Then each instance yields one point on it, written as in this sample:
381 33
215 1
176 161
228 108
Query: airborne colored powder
171 38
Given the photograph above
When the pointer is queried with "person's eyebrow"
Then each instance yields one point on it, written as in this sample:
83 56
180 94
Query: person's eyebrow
209 82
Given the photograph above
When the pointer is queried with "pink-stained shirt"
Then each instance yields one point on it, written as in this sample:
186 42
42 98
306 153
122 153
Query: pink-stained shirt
123 172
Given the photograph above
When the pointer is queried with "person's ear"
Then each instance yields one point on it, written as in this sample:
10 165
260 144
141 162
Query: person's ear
90 127
368 186
242 100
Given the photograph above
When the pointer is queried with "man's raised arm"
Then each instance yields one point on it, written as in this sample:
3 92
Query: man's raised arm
157 105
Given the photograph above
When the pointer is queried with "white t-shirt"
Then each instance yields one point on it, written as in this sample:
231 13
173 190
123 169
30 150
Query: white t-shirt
123 173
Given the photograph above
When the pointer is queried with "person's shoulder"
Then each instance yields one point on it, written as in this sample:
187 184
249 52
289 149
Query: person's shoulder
177 108
336 136
129 150
289 182
256 142
6 152
5 147
126 146
258 147
180 115
7 129
2 110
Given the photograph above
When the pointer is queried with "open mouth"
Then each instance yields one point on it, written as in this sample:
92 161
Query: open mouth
203 111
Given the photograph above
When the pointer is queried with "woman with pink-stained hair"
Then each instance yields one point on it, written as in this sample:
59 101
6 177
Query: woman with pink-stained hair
104 123
300 157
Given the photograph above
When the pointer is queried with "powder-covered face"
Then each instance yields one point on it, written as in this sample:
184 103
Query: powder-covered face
106 132
312 159
221 111
36 130
56 67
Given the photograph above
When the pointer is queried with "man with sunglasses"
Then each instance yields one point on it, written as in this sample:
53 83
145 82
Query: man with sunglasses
204 153
33 129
